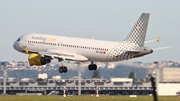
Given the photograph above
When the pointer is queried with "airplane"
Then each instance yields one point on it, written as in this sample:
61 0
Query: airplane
42 48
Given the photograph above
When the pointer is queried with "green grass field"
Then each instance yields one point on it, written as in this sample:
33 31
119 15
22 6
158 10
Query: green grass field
85 98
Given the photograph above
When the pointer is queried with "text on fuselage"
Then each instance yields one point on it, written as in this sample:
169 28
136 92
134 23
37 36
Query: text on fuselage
44 39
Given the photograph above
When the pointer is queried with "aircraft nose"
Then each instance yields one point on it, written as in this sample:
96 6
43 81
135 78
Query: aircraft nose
15 45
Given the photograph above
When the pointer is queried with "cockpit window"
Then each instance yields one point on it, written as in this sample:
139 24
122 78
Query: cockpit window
18 39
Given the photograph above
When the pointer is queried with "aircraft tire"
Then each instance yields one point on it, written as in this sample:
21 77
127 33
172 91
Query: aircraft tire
60 70
65 69
90 67
94 67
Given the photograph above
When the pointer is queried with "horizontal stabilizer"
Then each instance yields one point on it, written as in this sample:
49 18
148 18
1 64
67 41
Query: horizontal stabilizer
162 48
152 40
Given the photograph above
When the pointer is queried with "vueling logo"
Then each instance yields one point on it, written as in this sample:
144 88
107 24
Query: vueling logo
44 39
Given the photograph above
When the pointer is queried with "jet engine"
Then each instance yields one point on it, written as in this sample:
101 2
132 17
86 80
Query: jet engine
37 60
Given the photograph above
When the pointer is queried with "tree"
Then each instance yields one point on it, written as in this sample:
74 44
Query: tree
132 75
96 74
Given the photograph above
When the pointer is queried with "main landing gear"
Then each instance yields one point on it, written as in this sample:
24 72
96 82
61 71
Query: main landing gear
62 69
92 66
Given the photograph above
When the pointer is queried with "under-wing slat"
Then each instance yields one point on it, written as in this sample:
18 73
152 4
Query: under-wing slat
63 55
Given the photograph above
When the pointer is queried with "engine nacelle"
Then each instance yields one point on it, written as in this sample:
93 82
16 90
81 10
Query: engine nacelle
37 60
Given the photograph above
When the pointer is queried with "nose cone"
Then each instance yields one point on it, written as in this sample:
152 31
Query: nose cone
15 45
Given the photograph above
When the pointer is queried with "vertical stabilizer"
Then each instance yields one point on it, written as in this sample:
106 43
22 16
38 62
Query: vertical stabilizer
138 32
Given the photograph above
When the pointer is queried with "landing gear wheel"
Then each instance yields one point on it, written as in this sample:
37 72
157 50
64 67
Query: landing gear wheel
94 66
90 67
60 70
63 69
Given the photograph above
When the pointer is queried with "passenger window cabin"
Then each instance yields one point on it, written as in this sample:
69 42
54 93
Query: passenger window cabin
65 45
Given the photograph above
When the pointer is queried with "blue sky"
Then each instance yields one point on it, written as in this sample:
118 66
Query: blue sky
102 19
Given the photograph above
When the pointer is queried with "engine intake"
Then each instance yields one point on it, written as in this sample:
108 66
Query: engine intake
45 60
37 60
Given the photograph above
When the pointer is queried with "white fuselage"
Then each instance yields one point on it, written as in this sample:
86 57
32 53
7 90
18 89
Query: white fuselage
90 48
93 50
43 48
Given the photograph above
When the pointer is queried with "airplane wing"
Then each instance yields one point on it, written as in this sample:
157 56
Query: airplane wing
63 55
152 40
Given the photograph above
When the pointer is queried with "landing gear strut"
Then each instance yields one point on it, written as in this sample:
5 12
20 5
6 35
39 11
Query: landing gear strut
92 66
62 69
